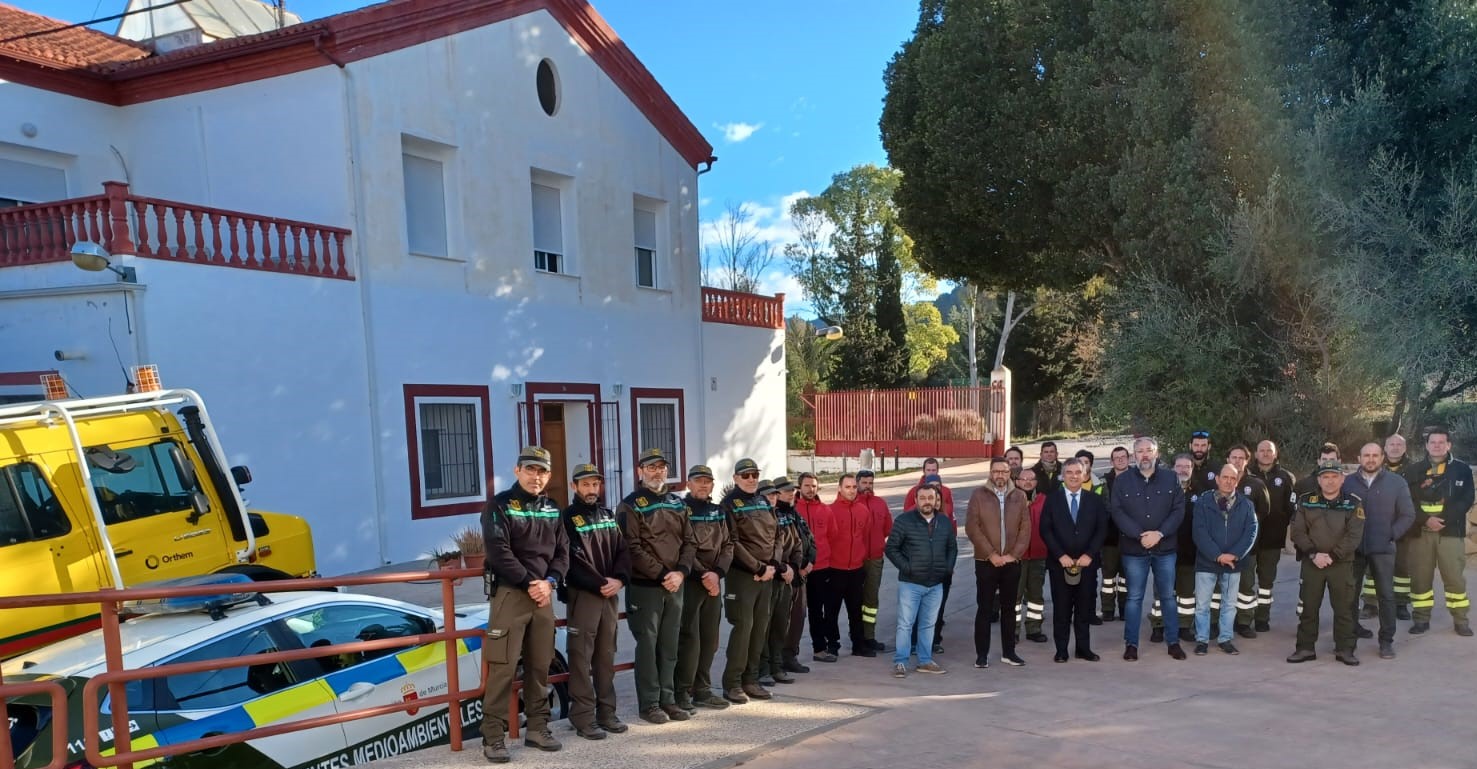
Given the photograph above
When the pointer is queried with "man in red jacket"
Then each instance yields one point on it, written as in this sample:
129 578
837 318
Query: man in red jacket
910 502
850 523
1032 593
817 516
881 526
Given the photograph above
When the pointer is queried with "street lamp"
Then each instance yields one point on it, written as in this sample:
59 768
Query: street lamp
94 258
830 332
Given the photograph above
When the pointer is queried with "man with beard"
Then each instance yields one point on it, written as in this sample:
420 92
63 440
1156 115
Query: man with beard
659 534
1149 506
1114 591
1255 490
1388 513
877 531
998 522
850 522
1271 535
702 599
1016 459
1442 488
527 556
599 566
1397 461
798 554
1031 597
810 596
1184 565
747 602
1203 477
923 549
1048 470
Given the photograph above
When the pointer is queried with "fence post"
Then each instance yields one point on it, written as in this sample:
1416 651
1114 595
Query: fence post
453 674
120 240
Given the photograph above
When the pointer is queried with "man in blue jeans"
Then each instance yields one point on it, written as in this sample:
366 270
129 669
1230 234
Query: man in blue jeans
922 546
1225 526
1148 507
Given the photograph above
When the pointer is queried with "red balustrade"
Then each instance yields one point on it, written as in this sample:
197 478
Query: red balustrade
740 309
152 228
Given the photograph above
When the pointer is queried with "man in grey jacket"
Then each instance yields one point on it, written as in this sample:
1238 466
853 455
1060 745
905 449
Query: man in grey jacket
1388 513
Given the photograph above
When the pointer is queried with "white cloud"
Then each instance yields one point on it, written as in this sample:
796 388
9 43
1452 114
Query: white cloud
733 133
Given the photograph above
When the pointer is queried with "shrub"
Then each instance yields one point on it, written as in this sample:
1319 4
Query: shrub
946 425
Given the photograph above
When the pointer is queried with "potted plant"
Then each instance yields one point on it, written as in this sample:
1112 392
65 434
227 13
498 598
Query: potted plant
445 559
469 541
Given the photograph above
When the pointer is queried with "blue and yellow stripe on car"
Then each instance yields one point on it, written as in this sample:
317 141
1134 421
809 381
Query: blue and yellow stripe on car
286 704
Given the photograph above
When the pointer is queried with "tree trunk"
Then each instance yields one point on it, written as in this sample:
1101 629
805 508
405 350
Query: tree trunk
1008 323
974 363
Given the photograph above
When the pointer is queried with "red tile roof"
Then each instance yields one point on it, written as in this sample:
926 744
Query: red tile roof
28 36
93 65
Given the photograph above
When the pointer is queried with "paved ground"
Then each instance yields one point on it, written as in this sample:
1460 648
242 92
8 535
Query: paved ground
1254 710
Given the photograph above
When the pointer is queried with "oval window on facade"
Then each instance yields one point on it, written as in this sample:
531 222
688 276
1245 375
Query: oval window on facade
548 87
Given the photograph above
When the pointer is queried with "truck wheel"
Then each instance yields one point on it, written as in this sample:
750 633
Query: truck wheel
257 573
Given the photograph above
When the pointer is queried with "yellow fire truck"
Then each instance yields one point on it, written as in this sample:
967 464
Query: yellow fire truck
122 490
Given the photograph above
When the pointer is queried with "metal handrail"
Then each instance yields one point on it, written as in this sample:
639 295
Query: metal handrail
116 675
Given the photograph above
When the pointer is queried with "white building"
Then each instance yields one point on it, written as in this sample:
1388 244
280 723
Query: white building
389 247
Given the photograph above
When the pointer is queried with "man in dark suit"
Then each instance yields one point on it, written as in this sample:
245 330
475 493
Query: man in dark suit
1074 523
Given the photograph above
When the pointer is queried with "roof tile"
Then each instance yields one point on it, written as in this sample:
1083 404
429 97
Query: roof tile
29 35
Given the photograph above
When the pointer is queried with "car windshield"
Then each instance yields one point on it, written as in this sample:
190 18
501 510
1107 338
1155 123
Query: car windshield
137 482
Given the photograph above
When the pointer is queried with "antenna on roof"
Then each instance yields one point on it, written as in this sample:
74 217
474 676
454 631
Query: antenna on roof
281 6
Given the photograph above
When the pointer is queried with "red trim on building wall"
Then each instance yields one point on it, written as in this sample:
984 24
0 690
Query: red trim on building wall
22 378
419 511
679 468
350 37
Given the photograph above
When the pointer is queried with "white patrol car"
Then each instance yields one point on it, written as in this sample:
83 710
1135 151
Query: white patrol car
185 707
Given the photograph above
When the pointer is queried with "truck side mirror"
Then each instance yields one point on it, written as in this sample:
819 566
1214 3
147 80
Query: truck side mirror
241 474
199 505
184 467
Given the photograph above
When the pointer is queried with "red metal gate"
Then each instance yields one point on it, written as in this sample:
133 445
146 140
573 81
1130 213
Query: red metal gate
960 422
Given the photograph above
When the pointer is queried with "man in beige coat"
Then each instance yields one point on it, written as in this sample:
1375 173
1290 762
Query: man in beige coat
998 522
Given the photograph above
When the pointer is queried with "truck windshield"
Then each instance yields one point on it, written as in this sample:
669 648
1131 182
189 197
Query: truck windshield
147 486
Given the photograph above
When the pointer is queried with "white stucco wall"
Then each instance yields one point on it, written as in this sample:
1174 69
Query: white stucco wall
745 412
304 377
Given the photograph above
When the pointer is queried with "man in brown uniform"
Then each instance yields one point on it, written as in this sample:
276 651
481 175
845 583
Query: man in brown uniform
756 561
599 566
793 552
527 555
660 538
702 599
1327 530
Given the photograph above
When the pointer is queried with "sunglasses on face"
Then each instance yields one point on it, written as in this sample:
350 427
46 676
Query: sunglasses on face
749 476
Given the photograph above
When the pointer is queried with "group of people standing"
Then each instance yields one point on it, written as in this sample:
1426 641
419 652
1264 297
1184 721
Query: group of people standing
770 553
1206 531
765 555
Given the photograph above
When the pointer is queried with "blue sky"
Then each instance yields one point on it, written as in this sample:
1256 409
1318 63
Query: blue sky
788 92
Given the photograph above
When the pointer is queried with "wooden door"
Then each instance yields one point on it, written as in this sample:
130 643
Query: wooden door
551 431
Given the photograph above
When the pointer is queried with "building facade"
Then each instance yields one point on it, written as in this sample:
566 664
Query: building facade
388 247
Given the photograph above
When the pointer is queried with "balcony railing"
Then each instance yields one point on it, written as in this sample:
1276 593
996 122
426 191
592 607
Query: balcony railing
125 223
740 309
